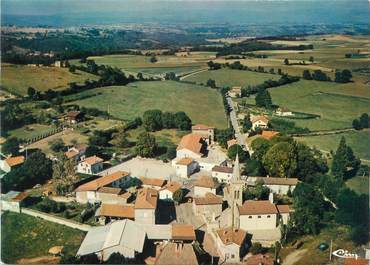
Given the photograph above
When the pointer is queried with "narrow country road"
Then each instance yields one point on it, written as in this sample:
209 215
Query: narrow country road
234 121
193 73
294 256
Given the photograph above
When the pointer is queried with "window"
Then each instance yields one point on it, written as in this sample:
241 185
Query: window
268 216
250 217
259 216
232 256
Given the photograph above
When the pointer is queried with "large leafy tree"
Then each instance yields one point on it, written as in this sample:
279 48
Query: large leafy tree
237 149
281 160
260 147
152 120
345 165
11 146
263 99
146 145
36 169
309 208
309 162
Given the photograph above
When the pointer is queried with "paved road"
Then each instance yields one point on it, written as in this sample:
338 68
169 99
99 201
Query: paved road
234 121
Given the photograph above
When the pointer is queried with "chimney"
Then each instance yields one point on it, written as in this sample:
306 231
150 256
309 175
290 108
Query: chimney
271 197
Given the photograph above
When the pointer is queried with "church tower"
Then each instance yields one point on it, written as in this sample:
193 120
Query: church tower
236 190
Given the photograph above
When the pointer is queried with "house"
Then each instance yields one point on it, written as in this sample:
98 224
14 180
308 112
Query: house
146 206
11 162
276 185
259 121
152 183
222 174
76 152
123 236
209 205
183 233
75 116
231 244
256 215
231 142
13 201
205 184
89 192
185 166
91 165
107 212
281 111
170 253
112 195
269 134
235 92
166 193
207 132
262 219
192 146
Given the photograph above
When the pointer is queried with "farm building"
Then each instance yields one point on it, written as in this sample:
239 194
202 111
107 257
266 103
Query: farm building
185 166
191 145
97 190
276 185
123 236
259 121
11 162
13 201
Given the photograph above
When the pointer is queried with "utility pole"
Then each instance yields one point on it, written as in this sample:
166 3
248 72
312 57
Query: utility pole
331 249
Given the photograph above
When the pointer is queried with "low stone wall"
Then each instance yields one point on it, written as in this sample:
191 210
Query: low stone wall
55 219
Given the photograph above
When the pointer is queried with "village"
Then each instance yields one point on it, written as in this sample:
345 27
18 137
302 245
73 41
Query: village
196 197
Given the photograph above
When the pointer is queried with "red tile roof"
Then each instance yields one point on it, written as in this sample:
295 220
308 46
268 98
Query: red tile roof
257 207
14 160
146 199
206 182
192 142
92 160
259 118
102 181
172 186
20 197
277 181
260 259
110 190
185 161
172 254
229 236
223 169
231 143
208 199
152 181
116 210
183 232
269 134
282 208
354 261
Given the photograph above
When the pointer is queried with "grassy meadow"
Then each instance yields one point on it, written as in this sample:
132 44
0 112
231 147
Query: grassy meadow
17 78
203 105
337 104
359 141
229 77
29 237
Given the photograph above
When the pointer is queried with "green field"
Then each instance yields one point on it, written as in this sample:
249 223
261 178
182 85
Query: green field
203 105
17 78
228 77
358 140
23 236
360 184
31 131
337 104
139 63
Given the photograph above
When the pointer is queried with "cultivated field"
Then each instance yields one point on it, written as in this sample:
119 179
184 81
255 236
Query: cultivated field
228 77
358 140
17 78
203 105
180 63
24 236
337 104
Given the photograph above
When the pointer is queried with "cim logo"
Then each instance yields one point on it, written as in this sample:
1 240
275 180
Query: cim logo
341 253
